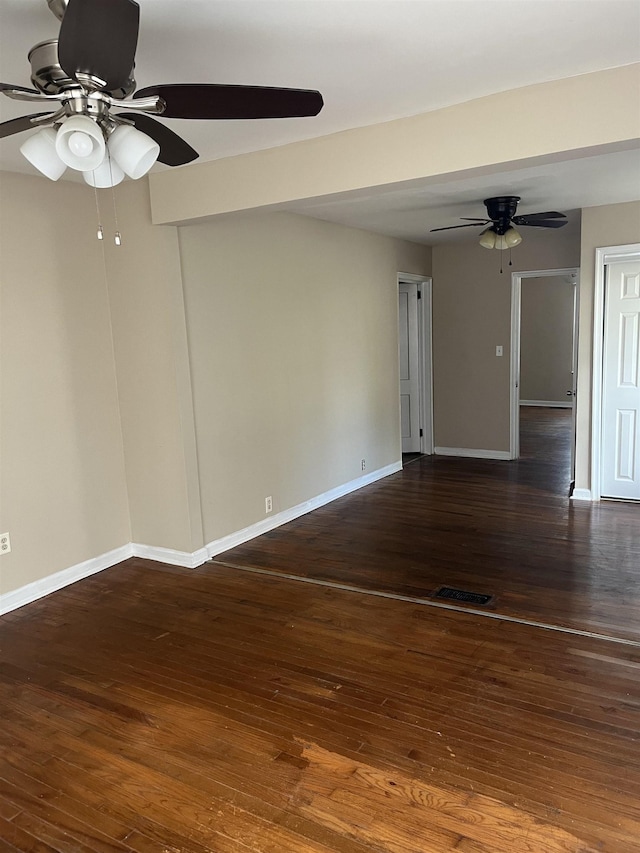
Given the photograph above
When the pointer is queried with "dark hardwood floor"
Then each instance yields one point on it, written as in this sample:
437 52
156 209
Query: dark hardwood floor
152 709
506 529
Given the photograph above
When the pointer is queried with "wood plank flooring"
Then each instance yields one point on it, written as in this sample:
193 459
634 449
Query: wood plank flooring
501 528
161 710
152 709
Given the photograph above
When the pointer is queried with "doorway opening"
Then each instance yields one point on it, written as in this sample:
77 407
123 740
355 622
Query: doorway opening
415 365
544 331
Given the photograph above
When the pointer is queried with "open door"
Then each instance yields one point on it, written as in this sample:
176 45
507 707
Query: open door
414 353
544 346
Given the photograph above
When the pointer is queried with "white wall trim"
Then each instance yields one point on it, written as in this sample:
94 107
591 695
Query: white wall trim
241 536
548 404
604 255
186 559
582 495
472 453
38 589
189 560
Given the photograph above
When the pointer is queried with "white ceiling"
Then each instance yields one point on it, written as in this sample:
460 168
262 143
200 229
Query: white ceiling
372 61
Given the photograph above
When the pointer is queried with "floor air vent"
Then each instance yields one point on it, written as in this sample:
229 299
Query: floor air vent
452 594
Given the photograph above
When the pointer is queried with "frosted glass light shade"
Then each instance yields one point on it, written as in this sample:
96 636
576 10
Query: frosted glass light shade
40 151
108 174
80 143
133 151
488 238
512 238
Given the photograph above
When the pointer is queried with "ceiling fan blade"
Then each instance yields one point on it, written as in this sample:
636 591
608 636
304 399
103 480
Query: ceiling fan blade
174 151
470 225
218 101
526 218
545 223
17 125
475 219
99 38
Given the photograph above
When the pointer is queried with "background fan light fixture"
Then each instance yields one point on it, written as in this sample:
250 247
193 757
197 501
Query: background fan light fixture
490 239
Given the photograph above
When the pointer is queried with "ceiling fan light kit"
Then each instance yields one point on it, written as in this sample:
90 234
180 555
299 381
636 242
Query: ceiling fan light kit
489 239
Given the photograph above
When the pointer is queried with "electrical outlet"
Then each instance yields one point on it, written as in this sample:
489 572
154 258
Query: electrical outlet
268 504
363 465
5 543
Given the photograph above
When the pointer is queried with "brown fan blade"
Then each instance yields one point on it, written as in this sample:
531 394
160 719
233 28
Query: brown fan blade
527 218
470 225
174 151
549 223
218 101
98 38
545 223
18 125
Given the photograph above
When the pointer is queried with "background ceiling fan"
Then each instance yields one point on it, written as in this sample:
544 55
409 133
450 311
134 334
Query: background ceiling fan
96 119
501 212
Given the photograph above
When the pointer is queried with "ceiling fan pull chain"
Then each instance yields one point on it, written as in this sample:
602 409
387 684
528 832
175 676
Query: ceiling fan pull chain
99 230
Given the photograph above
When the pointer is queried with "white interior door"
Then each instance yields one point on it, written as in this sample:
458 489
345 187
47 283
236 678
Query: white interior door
620 445
409 367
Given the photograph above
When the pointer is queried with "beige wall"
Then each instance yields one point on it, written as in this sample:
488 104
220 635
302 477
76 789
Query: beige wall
292 327
62 484
546 339
149 331
609 225
472 315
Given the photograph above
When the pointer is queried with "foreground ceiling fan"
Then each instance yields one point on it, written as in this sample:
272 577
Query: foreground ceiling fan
501 212
95 120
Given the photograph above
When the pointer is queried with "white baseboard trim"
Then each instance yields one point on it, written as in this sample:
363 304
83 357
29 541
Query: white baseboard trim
189 560
582 495
548 404
186 559
472 453
38 589
218 546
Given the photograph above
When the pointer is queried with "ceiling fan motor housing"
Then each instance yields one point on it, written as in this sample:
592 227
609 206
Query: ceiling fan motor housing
47 74
501 211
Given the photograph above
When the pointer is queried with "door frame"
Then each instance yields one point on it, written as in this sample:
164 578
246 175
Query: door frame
514 385
424 286
604 256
